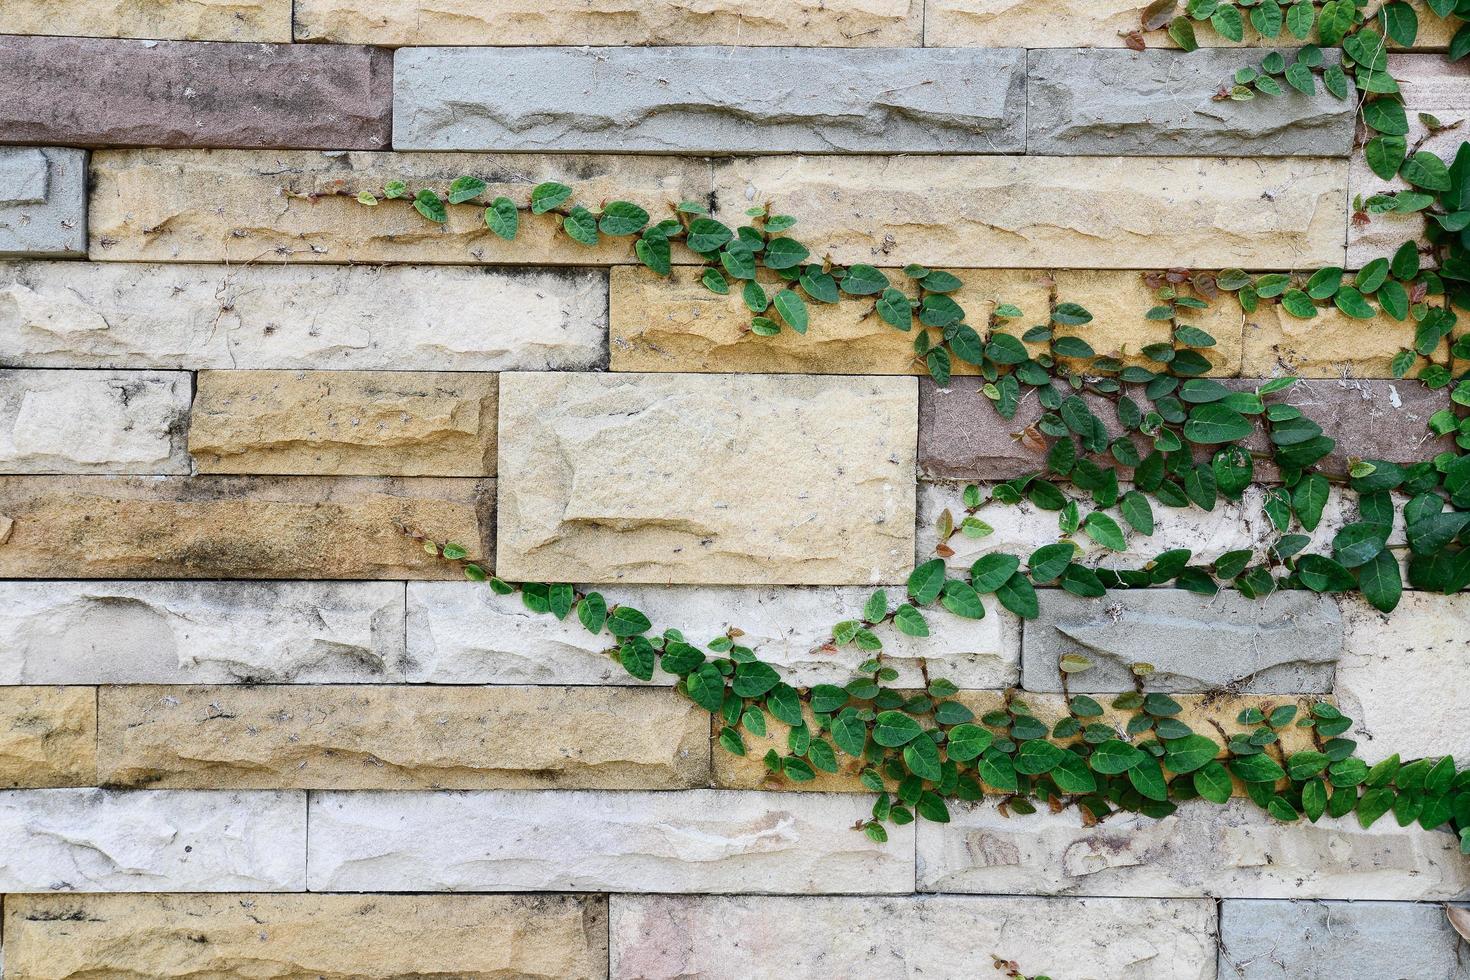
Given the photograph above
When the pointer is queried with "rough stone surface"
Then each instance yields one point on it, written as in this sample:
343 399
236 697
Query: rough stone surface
1234 851
1157 102
102 92
375 937
201 632
459 635
400 737
712 99
668 937
1429 84
48 737
237 527
366 423
93 421
1275 940
1284 644
704 841
835 23
43 207
1038 212
689 479
93 840
300 206
195 20
1330 345
401 318
1405 677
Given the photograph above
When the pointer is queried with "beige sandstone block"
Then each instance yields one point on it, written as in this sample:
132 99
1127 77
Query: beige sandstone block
48 737
299 205
706 479
1039 212
178 20
375 937
1330 345
237 527
831 23
344 423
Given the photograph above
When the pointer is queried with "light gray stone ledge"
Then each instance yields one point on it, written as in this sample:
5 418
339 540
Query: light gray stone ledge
43 202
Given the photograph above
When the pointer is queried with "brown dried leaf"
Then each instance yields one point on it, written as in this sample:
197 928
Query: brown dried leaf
1133 41
944 551
1204 284
1157 14
1033 440
1459 920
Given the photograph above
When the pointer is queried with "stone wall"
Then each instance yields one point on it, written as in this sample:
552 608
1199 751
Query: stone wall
248 729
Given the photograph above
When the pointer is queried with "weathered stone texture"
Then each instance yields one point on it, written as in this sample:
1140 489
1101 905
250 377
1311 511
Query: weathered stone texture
1030 212
1429 84
400 737
48 737
93 840
236 527
1234 851
401 318
1405 676
1286 643
375 937
93 422
691 479
711 99
835 23
703 841
1158 102
676 324
187 20
1276 940
344 423
663 937
101 92
300 206
1330 345
43 206
460 635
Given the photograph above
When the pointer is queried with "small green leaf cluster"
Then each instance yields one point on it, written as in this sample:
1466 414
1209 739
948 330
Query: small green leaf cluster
1300 74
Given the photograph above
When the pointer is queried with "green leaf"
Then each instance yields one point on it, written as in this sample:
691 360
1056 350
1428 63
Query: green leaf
1213 783
1070 315
1426 170
707 687
926 581
894 728
997 770
465 189
962 600
636 655
708 235
754 679
1380 581
1018 596
502 218
910 621
967 742
1037 756
1182 31
876 607
548 195
1105 531
895 309
922 758
1256 768
1190 753
992 571
1049 561
627 621
1386 116
1214 423
1227 22
652 249
785 253
622 218
427 203
861 280
792 310
1115 756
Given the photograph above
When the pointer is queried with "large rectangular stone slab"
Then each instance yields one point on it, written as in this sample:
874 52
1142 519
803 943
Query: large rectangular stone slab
687 479
1287 643
1158 102
1276 940
43 206
94 840
48 737
400 737
102 92
375 937
1231 851
300 206
344 423
459 634
700 841
664 937
835 23
661 100
236 527
1038 212
250 317
197 20
94 421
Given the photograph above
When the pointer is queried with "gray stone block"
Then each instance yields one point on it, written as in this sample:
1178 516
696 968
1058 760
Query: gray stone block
1162 103
1287 644
1274 940
711 99
43 202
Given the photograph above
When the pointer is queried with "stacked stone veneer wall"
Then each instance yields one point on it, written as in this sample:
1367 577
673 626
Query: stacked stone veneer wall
246 729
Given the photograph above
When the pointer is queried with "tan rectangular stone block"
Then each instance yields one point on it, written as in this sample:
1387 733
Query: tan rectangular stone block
374 937
1039 212
344 423
829 23
401 737
237 527
706 479
300 205
48 737
180 20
